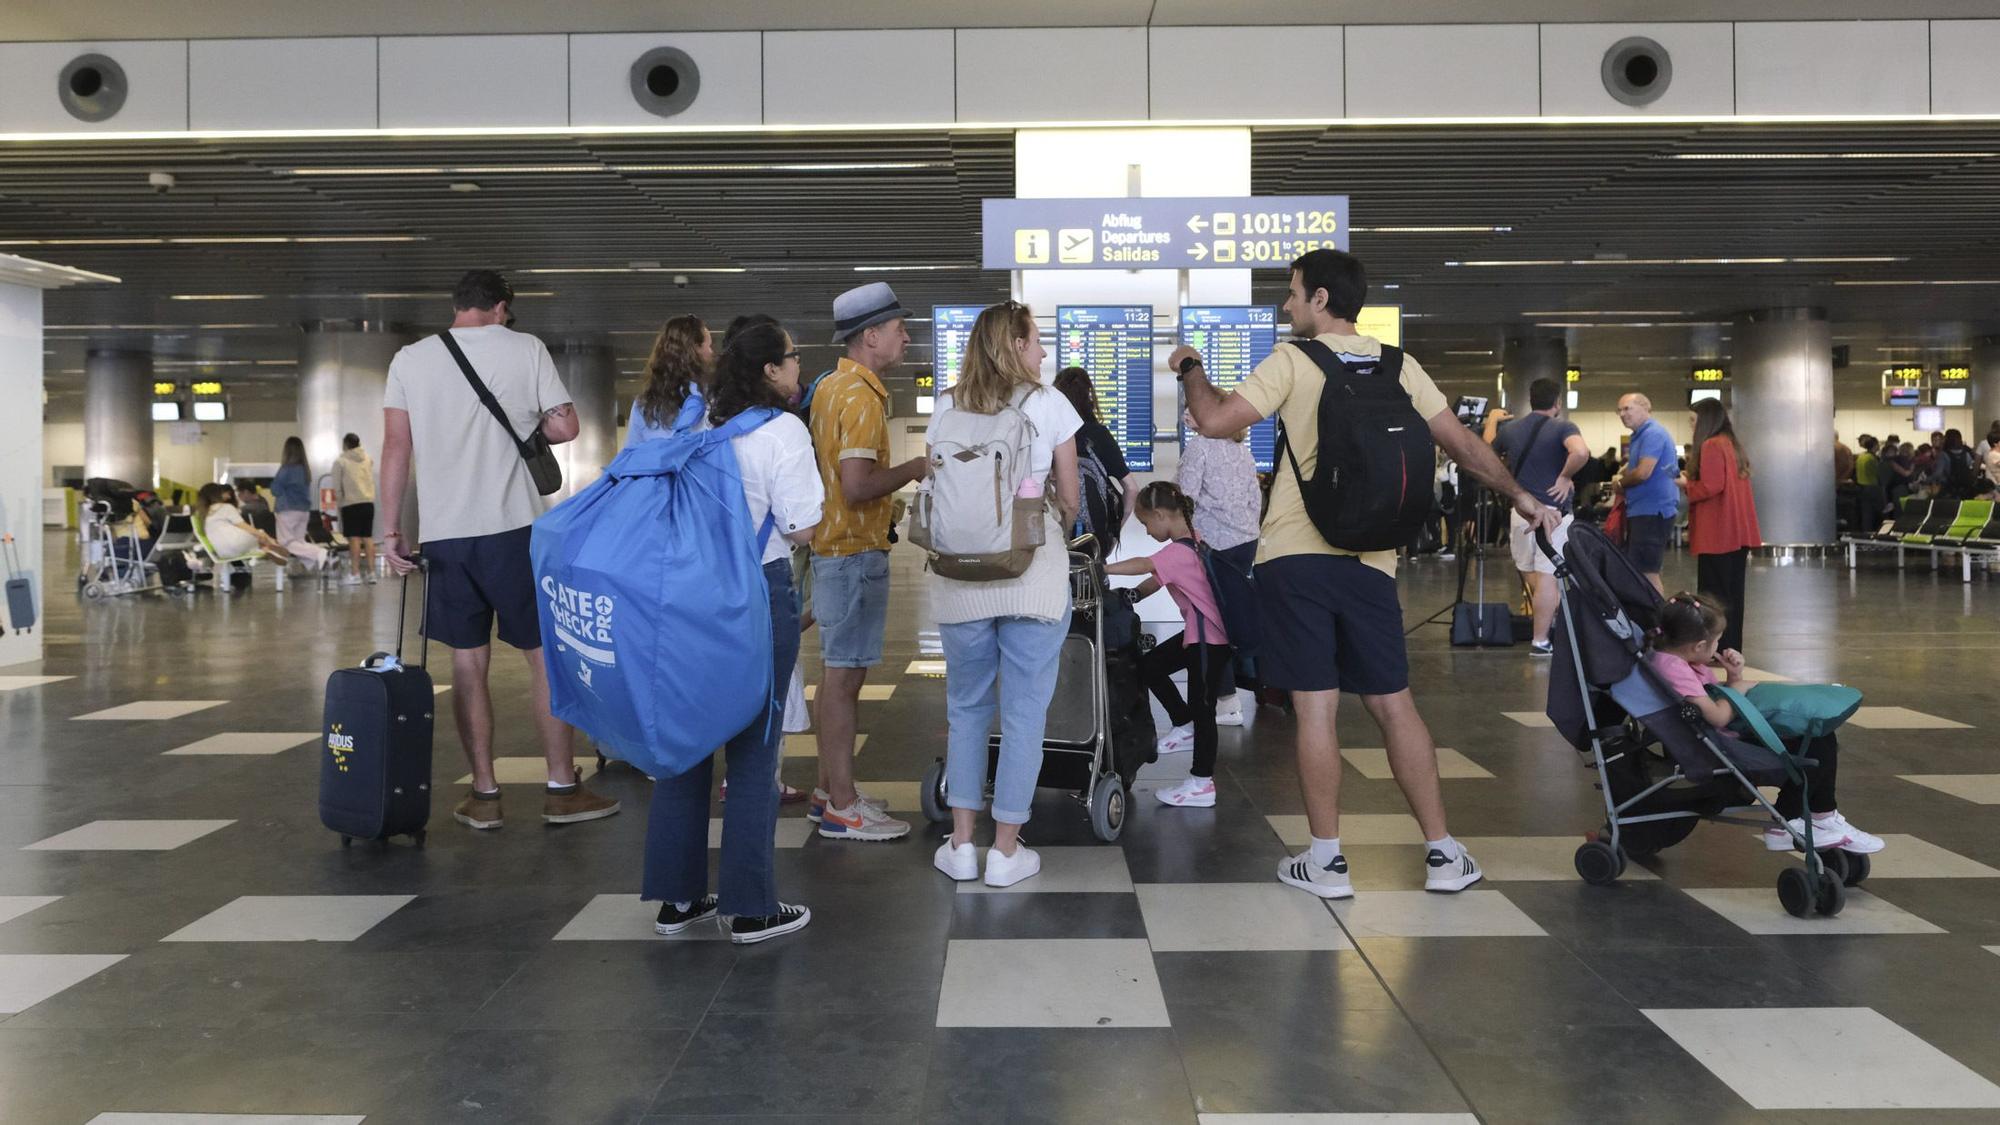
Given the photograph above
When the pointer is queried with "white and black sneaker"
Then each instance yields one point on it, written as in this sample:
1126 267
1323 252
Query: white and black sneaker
1327 882
746 930
673 919
1450 875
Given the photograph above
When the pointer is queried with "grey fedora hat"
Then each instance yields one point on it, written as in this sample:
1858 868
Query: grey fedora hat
864 307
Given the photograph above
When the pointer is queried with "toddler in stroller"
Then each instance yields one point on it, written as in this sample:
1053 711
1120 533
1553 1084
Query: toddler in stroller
1631 673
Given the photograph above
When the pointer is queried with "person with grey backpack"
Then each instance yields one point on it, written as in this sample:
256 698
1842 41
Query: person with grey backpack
1002 487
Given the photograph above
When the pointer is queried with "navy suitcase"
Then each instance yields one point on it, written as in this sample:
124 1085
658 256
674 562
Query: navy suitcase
20 593
375 765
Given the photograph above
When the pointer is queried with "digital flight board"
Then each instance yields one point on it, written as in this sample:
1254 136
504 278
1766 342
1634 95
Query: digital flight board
951 327
1115 344
1233 340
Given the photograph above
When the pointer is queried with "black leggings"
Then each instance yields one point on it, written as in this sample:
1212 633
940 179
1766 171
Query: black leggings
1205 664
1722 577
1819 780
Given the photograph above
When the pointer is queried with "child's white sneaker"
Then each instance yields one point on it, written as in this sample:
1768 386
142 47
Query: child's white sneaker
1178 740
1229 711
1858 842
1194 793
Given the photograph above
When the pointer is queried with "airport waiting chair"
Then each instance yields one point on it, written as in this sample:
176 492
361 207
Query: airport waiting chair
1909 517
1942 515
223 565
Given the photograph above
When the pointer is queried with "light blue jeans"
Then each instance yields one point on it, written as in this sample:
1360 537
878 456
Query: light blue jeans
979 656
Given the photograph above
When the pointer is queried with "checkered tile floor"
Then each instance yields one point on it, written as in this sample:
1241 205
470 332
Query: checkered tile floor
180 941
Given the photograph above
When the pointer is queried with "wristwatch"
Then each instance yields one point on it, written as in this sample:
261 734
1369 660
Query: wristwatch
1188 365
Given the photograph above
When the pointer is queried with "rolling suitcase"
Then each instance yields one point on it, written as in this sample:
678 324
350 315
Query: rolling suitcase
375 772
20 590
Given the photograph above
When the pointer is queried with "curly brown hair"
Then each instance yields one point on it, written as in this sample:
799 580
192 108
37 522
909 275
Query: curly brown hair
740 381
674 365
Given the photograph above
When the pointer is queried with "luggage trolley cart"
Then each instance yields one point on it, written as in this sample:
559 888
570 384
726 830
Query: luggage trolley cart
1076 742
114 559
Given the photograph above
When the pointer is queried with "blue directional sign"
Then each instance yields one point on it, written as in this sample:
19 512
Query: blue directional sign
1115 344
1233 340
1197 232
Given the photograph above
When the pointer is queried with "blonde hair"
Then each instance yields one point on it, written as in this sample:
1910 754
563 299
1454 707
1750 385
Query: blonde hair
993 369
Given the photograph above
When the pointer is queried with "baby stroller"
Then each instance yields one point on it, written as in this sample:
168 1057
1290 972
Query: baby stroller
1100 726
114 555
1661 766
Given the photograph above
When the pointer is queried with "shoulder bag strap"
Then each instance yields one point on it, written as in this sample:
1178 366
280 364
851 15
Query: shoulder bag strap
479 388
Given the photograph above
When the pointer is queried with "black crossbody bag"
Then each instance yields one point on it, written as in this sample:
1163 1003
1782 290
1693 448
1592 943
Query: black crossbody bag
536 451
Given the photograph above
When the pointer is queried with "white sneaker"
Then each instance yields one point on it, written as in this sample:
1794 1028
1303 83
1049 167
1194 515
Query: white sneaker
1825 834
1327 882
1858 842
1194 793
350 579
1178 740
961 862
861 822
1450 875
1004 870
1229 712
817 807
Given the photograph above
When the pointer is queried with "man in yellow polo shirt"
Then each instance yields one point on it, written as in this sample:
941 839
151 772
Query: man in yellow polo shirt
850 563
1332 621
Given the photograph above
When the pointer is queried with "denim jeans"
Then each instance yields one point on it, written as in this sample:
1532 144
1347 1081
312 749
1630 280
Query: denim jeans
677 831
981 656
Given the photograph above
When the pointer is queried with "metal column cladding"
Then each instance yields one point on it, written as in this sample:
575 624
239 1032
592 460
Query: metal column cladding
118 415
590 375
343 368
1528 358
1781 379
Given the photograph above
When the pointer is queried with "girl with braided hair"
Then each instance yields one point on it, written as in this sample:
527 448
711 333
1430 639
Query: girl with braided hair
1202 647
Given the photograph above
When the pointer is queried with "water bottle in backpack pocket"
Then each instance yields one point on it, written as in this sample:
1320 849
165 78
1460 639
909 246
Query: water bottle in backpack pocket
979 517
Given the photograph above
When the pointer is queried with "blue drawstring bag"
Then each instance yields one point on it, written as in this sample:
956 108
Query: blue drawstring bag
655 615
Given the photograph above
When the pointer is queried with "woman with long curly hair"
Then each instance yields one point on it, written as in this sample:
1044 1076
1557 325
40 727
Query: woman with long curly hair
677 376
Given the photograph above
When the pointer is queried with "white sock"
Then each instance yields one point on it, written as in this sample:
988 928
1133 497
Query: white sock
1324 852
683 907
1447 845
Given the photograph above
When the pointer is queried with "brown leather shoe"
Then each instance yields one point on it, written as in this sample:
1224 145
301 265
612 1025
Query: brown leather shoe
478 812
580 805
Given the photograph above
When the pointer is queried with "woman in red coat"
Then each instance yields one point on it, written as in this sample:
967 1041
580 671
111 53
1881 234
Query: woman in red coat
1722 514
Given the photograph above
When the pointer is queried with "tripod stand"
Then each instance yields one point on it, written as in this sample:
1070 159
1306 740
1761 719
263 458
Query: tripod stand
1478 623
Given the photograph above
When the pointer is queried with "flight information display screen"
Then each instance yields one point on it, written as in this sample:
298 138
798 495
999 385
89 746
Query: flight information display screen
1115 344
951 327
1233 340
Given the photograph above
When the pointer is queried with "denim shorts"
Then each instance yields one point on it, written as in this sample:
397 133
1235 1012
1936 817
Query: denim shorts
851 604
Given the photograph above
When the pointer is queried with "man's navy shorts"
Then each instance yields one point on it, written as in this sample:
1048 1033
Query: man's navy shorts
473 580
1646 541
1330 622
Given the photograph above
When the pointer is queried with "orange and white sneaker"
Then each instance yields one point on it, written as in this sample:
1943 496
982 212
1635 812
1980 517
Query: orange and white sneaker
861 821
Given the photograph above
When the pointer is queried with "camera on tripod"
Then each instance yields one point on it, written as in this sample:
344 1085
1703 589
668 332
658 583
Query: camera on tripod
1471 410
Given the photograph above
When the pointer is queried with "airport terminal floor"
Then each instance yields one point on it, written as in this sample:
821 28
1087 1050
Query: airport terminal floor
178 934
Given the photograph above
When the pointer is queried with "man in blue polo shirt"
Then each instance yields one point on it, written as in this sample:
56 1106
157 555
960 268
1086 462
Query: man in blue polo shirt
1652 496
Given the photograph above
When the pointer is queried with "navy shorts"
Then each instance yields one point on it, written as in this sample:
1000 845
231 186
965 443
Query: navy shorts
473 580
1331 622
1646 541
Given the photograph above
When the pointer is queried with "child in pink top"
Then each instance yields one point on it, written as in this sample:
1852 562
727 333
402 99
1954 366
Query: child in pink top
1202 648
1689 641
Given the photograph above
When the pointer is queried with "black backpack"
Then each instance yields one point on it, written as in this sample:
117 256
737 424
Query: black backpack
1235 593
1959 475
1103 512
1371 486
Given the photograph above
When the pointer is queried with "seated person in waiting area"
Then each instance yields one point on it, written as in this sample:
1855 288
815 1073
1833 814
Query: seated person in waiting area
228 532
1690 635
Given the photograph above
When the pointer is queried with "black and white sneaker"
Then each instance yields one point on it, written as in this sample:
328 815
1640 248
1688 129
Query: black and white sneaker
745 930
1327 882
673 920
1450 875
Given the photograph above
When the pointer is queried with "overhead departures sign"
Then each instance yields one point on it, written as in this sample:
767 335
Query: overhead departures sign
1115 344
951 327
1233 340
1202 232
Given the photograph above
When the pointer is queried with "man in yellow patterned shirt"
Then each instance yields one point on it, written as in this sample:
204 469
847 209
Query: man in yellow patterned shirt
850 565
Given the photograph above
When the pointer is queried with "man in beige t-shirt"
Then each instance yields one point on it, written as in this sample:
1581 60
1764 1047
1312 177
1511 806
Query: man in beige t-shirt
1331 618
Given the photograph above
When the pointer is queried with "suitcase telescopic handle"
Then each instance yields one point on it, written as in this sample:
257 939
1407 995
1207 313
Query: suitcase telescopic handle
423 614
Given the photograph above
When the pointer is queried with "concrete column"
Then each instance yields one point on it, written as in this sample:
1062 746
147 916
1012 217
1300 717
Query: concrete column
1525 359
1782 407
343 366
587 369
118 416
1985 397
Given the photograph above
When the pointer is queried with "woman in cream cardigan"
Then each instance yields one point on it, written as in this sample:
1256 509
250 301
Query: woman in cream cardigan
1008 632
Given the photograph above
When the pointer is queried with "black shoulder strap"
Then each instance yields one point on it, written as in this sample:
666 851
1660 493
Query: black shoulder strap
479 387
1391 365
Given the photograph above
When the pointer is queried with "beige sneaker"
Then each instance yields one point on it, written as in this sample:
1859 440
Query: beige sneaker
478 812
572 808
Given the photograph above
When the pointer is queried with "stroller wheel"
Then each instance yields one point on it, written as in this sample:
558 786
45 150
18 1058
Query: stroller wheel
1837 863
1599 863
93 592
1795 891
1832 895
930 794
1857 869
1107 808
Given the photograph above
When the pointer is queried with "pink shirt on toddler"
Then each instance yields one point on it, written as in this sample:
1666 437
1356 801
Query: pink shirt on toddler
1179 569
1685 679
